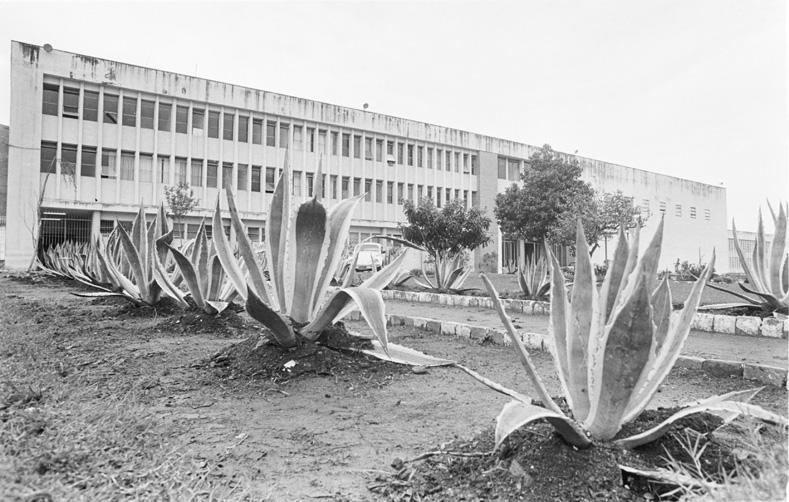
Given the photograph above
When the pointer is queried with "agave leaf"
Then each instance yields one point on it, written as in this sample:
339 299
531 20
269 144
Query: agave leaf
278 235
369 302
649 262
403 355
662 307
279 326
202 258
135 262
777 252
311 248
106 294
215 278
377 281
191 278
495 386
759 265
225 254
523 284
246 251
726 404
627 343
614 276
583 308
743 263
217 307
668 477
164 285
767 297
560 311
139 239
516 414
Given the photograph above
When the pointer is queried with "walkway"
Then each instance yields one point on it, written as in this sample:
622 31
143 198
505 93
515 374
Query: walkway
745 349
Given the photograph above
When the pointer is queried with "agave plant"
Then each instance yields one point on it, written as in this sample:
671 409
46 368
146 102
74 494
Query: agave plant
303 250
203 274
768 273
612 350
133 264
533 278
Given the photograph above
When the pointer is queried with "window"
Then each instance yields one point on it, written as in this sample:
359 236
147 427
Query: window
678 210
368 148
71 102
256 171
68 160
181 119
379 191
465 198
165 116
390 147
474 199
379 150
645 207
502 163
357 186
197 173
322 141
254 234
297 183
227 126
271 174
106 226
243 129
474 164
191 231
429 192
368 188
310 139
284 135
707 214
439 157
49 101
346 181
146 114
242 177
164 169
146 167
346 145
389 191
465 163
257 131
130 111
310 184
211 168
447 160
411 191
410 155
430 158
110 109
400 189
334 143
90 106
298 137
227 174
457 162
662 205
692 213
180 170
448 195
400 148
271 133
357 147
333 182
108 160
513 170
198 121
213 124
419 192
457 193
88 166
438 196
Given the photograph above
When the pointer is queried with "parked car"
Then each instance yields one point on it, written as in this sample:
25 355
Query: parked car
371 256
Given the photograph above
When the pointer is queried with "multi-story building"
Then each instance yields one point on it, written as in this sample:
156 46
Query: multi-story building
98 137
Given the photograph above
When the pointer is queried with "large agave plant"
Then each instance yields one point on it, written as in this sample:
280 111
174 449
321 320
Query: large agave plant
613 348
203 274
303 250
533 278
132 264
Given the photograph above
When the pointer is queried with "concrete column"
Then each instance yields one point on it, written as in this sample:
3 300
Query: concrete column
95 225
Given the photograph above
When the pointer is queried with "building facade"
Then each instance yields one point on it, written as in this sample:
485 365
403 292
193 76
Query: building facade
97 137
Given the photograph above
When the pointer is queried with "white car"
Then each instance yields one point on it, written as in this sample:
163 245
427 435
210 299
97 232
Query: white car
371 256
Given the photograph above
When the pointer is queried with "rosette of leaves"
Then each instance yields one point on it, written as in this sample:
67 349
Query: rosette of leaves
304 247
612 349
132 264
533 278
204 274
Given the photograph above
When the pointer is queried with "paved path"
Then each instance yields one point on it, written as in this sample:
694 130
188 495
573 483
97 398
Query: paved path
746 349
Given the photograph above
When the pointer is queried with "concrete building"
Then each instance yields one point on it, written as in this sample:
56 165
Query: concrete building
99 136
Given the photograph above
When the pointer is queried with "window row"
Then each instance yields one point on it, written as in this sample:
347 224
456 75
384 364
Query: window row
106 164
678 210
509 169
131 111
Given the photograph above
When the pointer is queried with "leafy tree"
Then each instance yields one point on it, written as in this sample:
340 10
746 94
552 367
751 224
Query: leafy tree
446 233
553 195
181 200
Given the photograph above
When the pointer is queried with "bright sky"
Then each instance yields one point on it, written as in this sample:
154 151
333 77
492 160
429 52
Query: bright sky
690 88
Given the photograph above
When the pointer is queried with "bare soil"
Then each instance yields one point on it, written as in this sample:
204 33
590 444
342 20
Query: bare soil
102 402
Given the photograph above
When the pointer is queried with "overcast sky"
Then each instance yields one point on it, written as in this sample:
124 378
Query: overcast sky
690 88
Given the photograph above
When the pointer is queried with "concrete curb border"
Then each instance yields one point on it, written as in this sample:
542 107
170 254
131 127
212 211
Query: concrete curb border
714 367
769 327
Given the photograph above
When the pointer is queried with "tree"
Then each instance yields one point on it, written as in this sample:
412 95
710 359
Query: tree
444 234
552 195
181 200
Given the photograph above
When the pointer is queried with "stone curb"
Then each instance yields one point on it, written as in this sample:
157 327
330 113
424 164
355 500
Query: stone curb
769 327
715 367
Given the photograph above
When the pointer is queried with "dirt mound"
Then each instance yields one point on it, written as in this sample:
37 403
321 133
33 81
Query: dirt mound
536 464
228 323
332 356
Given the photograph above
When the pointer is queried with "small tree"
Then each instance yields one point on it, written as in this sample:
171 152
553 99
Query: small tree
181 200
444 234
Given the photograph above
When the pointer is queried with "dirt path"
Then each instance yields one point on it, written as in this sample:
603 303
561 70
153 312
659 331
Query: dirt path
124 402
770 351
